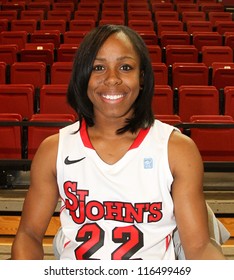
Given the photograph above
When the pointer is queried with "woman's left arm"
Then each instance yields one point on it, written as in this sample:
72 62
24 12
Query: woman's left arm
189 202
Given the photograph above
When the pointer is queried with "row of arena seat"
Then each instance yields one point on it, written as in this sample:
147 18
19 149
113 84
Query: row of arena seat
20 140
46 52
168 35
164 21
186 101
219 74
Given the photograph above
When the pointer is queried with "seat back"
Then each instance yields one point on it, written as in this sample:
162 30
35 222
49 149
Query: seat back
162 103
36 134
17 98
66 52
181 53
197 100
28 73
8 53
18 38
199 26
193 16
10 140
214 144
53 100
28 25
2 72
61 72
172 25
81 25
222 74
141 25
201 39
229 101
160 73
53 24
189 74
174 38
212 54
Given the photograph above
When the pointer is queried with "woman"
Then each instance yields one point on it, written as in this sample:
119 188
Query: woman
126 181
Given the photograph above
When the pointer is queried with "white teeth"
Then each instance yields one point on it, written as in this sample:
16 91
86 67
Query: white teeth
113 97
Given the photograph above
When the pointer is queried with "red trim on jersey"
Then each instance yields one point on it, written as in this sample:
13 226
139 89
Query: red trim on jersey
84 136
87 143
139 139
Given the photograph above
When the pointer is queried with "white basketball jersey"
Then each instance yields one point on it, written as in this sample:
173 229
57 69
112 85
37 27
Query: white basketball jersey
118 211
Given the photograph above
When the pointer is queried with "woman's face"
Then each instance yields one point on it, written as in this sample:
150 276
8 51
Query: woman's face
115 79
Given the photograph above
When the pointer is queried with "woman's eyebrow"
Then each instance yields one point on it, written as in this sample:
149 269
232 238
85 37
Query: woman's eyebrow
119 58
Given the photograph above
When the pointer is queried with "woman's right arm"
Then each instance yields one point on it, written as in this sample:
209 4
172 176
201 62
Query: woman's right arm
39 204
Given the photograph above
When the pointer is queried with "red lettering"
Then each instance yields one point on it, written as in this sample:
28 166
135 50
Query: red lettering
156 213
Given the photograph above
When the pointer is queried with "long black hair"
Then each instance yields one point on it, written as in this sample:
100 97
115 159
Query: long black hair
82 67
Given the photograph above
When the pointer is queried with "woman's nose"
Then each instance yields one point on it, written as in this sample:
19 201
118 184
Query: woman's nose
112 78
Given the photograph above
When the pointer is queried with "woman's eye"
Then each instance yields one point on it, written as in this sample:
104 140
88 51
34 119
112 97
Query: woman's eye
126 67
98 68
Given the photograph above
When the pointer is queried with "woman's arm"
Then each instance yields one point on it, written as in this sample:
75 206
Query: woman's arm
40 203
189 203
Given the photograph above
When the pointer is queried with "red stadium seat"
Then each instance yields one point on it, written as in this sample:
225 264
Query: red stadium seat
73 37
139 15
201 39
46 36
38 52
28 73
86 14
172 25
197 100
160 73
4 24
212 54
66 52
141 25
155 53
61 72
162 6
10 140
37 15
189 74
219 16
8 53
59 14
162 103
174 38
36 134
187 7
229 101
3 66
181 53
214 144
17 98
194 16
81 25
28 25
53 100
18 38
229 39
53 24
224 26
222 74
8 14
198 26
166 15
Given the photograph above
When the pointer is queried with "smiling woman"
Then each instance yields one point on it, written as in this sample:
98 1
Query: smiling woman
127 182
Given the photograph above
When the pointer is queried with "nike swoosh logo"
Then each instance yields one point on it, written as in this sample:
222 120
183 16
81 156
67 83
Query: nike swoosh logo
68 161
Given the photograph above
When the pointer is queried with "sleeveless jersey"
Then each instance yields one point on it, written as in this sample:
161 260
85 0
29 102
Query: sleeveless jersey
118 211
